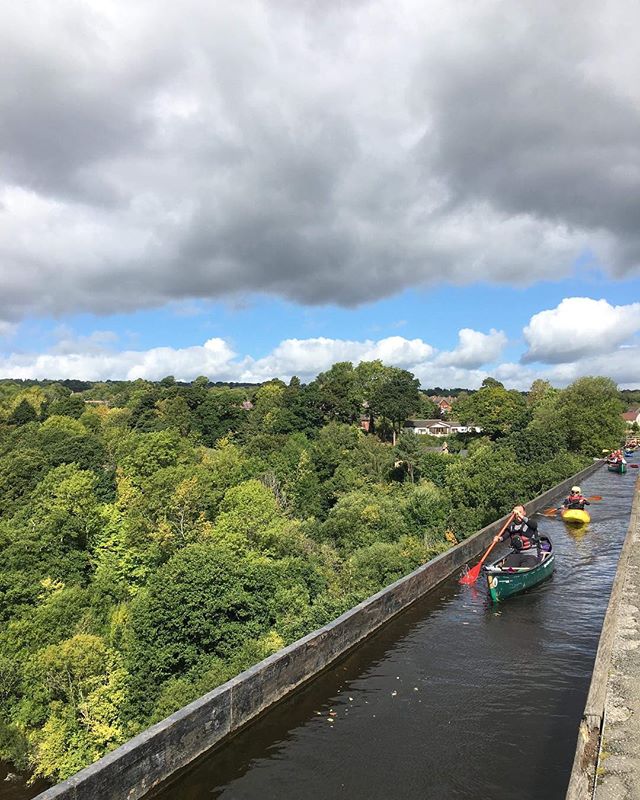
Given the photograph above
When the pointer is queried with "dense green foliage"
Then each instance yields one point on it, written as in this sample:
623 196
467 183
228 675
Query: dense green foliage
157 538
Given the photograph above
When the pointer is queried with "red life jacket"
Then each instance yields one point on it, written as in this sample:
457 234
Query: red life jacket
526 542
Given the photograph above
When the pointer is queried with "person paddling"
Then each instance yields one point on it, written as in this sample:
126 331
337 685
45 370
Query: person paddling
616 457
523 535
575 500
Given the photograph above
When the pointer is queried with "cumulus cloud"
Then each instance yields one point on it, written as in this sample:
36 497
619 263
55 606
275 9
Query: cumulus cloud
94 358
431 375
474 349
326 153
621 365
68 343
214 358
578 328
307 357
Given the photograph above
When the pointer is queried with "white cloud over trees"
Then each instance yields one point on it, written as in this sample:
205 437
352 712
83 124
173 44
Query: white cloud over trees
581 336
579 328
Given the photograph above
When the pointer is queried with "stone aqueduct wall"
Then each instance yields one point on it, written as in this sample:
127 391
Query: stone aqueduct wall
583 773
155 754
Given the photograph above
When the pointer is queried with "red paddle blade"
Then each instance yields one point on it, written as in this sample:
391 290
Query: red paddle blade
472 575
634 466
595 497
549 512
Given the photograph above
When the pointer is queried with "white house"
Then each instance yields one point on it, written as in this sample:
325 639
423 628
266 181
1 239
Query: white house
456 427
438 427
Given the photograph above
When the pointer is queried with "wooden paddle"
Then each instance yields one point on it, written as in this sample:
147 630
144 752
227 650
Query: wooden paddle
471 576
551 512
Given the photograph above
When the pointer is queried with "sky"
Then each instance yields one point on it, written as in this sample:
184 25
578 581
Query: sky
260 189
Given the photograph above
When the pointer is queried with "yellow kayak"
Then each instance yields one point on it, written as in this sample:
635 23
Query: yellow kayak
575 516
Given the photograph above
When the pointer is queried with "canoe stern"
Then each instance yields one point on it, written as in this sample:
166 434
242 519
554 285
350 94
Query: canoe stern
504 584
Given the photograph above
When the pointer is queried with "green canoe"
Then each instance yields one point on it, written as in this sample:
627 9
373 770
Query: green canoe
505 581
619 466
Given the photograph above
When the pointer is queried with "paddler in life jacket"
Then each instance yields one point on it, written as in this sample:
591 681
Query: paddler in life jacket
575 499
523 534
616 457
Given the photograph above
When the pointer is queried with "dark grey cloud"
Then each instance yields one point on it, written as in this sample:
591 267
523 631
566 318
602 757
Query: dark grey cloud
73 99
529 123
335 153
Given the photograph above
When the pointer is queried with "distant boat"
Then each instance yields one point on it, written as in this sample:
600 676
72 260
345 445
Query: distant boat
617 466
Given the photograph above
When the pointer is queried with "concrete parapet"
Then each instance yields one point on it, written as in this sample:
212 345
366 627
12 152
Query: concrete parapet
594 724
155 754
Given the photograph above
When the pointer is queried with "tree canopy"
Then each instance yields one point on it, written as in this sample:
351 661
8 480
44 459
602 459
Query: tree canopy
159 537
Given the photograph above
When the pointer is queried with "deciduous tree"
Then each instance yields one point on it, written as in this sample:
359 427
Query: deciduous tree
590 412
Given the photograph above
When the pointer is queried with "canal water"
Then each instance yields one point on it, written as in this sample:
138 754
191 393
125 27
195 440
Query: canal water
14 787
453 699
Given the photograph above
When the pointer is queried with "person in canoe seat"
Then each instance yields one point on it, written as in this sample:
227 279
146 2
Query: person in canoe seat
575 499
523 534
616 457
